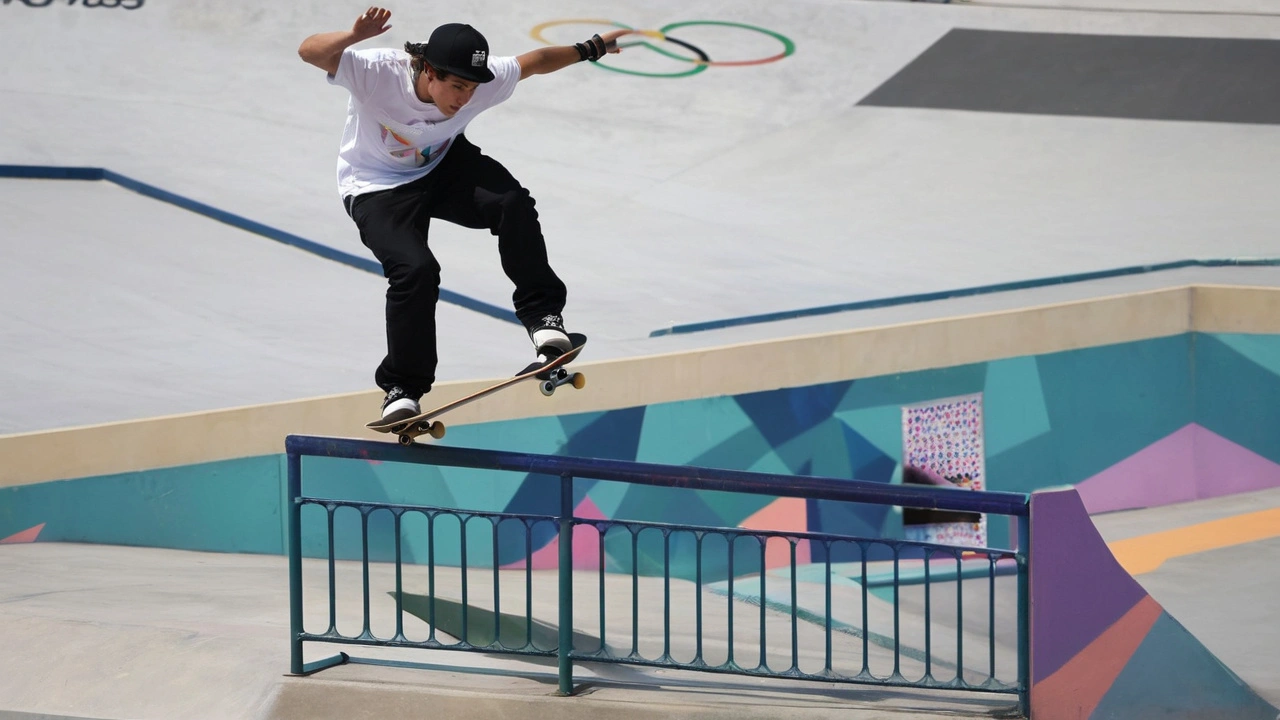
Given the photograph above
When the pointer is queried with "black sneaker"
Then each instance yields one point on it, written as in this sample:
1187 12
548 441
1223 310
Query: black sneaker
549 338
399 405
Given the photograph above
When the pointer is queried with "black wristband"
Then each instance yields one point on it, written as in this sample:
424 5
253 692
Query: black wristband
593 49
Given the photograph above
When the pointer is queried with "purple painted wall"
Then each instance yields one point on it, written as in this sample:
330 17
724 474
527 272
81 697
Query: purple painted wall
1192 463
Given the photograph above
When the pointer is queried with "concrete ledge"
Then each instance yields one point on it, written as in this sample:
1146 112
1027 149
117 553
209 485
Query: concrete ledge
1230 309
753 367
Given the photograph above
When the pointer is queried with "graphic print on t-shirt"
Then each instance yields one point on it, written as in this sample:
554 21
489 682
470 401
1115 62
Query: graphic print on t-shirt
404 150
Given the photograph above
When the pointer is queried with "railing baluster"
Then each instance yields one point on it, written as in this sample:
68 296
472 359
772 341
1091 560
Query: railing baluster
732 540
928 610
991 616
697 600
399 580
497 584
795 610
897 607
462 560
666 596
364 545
635 591
959 617
866 631
431 577
528 584
333 573
600 532
827 618
764 603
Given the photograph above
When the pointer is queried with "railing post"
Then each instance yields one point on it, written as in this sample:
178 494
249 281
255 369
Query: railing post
294 536
1024 614
566 586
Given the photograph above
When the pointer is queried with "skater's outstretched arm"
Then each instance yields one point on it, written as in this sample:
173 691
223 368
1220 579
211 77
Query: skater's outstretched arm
324 50
550 59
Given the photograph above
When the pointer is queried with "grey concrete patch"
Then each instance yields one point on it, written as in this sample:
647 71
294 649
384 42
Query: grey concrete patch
1118 76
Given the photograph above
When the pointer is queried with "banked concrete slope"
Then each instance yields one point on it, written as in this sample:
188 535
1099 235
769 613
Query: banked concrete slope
735 191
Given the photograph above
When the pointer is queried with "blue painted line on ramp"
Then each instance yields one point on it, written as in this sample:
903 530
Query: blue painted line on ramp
958 293
41 172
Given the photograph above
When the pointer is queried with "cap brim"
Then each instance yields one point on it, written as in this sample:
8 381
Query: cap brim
480 74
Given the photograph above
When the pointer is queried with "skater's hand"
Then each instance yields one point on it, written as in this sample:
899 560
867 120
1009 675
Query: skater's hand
372 23
611 41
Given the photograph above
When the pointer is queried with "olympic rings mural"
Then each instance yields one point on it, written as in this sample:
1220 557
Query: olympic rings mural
686 53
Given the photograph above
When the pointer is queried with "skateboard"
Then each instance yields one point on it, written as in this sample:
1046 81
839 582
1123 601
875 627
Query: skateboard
550 375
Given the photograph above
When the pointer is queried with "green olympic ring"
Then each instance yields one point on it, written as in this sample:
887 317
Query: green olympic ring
701 61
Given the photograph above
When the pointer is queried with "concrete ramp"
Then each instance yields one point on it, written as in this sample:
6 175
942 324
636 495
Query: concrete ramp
671 193
1102 647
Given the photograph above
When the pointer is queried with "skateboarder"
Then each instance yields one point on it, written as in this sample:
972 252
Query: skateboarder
405 159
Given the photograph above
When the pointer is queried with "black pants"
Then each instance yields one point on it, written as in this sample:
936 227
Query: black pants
470 189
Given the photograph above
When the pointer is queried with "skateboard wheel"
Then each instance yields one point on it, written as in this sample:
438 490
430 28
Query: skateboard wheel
406 440
579 381
547 387
437 430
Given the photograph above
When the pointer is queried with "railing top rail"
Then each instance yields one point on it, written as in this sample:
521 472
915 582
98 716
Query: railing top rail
695 478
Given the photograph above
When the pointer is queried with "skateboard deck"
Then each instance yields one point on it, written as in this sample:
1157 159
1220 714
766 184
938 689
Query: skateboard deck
550 375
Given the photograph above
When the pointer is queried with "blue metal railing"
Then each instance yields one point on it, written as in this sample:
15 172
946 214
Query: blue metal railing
781 626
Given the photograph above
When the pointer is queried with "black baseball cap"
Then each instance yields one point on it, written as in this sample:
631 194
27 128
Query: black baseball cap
460 50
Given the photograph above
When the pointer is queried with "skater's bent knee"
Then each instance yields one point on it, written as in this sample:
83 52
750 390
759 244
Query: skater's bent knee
516 203
425 272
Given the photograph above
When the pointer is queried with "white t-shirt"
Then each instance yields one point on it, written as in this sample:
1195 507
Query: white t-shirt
391 136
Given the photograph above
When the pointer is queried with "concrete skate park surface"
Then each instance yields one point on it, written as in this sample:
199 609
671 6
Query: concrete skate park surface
735 192
114 632
151 633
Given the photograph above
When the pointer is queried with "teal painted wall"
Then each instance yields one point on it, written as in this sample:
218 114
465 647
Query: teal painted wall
1050 420
230 506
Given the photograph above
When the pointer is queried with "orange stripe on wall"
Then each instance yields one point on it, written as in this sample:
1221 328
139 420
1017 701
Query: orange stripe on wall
1148 552
1075 690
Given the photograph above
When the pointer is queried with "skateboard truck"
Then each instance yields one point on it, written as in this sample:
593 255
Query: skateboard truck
559 377
406 434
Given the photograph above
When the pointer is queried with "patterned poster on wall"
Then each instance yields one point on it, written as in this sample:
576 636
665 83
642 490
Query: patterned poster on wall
942 443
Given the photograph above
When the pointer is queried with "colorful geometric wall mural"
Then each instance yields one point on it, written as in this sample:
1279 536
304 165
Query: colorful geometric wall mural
1133 424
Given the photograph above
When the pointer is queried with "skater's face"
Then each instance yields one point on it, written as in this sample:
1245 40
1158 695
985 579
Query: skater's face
449 93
